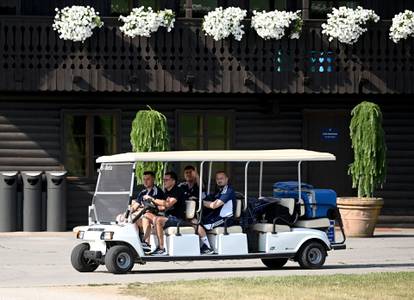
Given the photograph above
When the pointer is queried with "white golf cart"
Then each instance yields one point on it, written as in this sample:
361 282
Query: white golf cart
117 244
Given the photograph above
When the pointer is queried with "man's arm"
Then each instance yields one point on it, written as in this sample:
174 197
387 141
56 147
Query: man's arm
213 204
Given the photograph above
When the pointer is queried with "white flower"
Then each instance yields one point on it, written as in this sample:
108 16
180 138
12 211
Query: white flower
143 22
274 24
76 23
220 23
402 26
347 24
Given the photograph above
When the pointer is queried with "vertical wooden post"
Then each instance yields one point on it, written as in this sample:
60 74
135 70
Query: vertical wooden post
305 9
188 8
18 7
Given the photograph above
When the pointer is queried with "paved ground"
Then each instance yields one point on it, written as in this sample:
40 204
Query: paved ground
42 260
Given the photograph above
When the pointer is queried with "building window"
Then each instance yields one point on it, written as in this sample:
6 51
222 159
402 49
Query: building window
9 7
124 7
320 8
121 7
86 137
205 131
267 5
202 7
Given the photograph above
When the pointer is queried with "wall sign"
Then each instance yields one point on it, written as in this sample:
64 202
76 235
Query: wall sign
330 134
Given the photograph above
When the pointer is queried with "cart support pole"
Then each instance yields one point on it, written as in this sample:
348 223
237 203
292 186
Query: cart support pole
246 168
210 169
299 181
260 179
200 192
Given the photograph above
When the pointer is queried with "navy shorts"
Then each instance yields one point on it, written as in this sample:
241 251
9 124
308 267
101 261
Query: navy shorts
213 220
173 221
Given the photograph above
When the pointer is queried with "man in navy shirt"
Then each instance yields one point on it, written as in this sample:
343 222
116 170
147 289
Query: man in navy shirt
221 204
152 191
217 209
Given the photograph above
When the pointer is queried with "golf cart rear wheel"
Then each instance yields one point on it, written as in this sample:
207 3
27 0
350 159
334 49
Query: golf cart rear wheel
79 262
119 259
274 263
312 256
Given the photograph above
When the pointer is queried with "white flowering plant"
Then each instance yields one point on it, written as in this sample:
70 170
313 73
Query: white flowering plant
276 24
348 24
144 21
402 26
221 23
76 23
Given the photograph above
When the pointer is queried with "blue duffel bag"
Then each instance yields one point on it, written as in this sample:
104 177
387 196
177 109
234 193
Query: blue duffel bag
319 203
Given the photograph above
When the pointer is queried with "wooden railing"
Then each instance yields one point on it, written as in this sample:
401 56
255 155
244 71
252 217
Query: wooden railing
33 58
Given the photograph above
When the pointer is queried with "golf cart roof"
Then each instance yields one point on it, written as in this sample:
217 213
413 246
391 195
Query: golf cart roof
281 155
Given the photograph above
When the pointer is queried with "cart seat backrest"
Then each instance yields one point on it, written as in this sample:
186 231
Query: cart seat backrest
288 203
190 208
238 209
302 208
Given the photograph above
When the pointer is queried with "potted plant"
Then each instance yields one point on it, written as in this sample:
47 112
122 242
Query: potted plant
368 171
150 133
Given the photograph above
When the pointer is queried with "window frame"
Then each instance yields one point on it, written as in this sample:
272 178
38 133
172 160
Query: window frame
230 114
89 136
335 4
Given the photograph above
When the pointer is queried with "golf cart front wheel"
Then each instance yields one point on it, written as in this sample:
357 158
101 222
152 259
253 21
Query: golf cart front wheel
312 256
119 259
274 263
79 262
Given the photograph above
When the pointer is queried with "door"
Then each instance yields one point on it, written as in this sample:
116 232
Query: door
328 131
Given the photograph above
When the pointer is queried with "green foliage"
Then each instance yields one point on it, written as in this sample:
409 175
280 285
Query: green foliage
368 170
149 133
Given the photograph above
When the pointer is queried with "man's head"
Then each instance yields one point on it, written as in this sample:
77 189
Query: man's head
190 174
170 179
148 179
221 178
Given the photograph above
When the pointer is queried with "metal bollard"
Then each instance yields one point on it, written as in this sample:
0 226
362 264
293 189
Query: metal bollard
56 201
32 201
8 201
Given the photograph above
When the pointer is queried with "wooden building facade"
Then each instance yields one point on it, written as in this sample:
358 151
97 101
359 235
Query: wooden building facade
62 104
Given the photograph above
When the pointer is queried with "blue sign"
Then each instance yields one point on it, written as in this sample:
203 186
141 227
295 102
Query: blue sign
330 134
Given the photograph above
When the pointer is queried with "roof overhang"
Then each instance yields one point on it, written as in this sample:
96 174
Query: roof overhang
280 155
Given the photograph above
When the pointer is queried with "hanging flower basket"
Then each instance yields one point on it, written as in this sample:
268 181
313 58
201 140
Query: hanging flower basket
402 26
347 24
76 23
144 21
221 23
276 24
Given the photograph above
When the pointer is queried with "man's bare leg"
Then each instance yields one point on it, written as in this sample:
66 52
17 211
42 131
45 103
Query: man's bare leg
159 229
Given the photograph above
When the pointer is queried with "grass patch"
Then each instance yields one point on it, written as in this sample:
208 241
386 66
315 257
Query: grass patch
368 286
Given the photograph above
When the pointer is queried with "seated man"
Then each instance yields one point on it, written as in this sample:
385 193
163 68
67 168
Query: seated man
174 206
217 210
150 190
191 184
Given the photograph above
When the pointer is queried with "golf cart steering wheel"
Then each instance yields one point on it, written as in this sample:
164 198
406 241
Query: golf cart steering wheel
149 205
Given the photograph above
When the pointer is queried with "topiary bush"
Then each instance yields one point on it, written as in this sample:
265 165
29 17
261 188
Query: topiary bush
150 133
368 171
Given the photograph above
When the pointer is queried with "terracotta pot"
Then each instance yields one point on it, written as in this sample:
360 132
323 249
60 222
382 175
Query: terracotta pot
359 215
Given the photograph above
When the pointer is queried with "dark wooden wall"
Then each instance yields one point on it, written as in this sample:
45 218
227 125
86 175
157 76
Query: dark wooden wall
47 7
30 131
35 59
387 9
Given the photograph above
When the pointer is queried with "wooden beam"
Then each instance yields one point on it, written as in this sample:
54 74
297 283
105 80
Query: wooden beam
188 8
305 9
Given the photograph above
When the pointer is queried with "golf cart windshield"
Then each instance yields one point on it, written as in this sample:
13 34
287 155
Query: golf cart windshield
113 191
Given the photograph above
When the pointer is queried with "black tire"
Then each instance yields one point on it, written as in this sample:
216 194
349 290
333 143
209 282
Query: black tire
312 255
119 259
79 263
274 263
